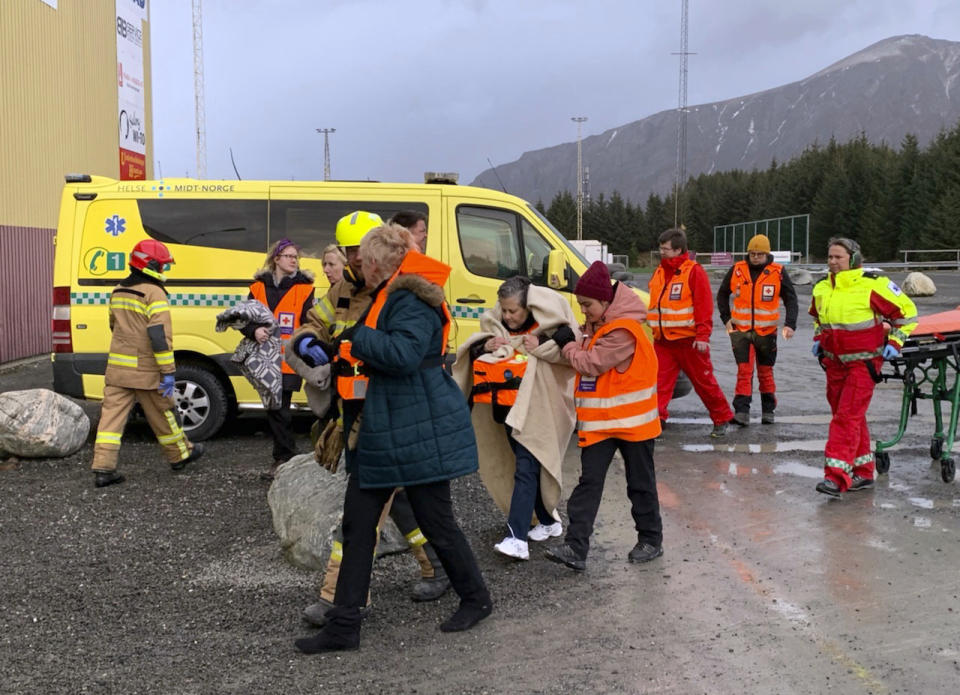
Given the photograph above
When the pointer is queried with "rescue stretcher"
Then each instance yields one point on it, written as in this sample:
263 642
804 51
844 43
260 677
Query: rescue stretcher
929 367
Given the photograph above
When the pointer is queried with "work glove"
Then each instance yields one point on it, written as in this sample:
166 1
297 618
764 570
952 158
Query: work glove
329 446
166 385
312 352
816 349
890 352
563 335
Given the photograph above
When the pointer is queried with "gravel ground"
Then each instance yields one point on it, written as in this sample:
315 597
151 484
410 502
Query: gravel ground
173 583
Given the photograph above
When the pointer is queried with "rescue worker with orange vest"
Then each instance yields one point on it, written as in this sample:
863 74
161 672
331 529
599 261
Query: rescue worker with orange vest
414 433
140 366
616 400
287 291
681 318
849 308
757 286
337 312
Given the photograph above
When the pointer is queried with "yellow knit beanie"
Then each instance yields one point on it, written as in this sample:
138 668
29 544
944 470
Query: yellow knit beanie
759 243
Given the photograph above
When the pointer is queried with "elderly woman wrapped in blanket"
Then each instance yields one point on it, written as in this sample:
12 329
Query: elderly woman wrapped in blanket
521 388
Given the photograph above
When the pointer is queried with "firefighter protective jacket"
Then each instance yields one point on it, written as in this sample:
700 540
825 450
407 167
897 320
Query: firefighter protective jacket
621 405
681 301
141 349
343 304
756 305
848 310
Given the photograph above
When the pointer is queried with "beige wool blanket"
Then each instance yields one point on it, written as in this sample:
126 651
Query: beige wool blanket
543 417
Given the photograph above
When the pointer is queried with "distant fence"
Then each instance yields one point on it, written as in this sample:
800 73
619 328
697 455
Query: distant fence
26 291
951 263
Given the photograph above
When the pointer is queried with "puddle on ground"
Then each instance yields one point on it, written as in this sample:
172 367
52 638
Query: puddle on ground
921 502
799 469
762 448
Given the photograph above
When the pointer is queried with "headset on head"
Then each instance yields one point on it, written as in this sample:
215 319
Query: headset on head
852 247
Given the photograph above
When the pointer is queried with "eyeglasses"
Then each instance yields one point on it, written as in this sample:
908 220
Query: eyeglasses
289 255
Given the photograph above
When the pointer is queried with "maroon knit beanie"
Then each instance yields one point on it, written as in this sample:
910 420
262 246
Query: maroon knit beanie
595 283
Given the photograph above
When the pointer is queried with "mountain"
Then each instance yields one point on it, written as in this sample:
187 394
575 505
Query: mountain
905 84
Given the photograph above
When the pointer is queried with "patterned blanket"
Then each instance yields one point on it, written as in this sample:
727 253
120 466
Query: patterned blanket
258 362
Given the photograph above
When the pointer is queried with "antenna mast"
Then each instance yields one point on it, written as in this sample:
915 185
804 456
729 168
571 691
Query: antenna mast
326 150
199 107
681 118
579 120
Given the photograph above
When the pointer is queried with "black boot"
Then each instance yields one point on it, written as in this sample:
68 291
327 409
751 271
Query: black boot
196 453
341 632
104 478
467 615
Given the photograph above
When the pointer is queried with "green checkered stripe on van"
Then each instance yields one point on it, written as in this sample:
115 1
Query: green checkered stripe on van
176 299
459 311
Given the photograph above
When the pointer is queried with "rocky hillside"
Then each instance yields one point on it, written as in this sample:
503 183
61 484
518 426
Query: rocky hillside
905 84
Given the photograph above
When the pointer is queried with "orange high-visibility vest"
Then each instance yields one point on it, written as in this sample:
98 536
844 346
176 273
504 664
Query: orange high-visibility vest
756 307
670 314
620 405
498 382
351 379
287 312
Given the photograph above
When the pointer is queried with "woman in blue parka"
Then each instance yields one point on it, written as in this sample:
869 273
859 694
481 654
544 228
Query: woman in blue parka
414 432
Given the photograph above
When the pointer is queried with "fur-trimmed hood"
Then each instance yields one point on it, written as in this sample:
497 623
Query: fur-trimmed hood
426 291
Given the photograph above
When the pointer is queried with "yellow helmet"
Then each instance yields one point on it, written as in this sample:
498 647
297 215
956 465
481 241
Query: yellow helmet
353 227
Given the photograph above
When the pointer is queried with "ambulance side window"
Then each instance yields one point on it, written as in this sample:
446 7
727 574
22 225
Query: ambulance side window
488 242
537 250
238 225
312 224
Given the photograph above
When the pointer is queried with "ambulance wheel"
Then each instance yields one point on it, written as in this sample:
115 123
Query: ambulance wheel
882 460
201 401
936 448
948 470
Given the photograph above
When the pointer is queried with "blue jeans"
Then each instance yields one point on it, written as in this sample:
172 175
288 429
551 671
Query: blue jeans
526 492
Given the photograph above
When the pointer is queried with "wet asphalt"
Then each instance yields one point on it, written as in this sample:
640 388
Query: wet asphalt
175 584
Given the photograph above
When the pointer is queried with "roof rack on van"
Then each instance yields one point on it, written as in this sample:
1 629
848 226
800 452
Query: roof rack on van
77 178
450 177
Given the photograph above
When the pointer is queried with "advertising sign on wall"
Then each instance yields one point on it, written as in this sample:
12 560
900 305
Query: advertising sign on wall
131 115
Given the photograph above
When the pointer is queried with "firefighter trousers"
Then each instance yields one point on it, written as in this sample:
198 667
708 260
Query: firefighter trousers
399 509
161 416
749 349
674 355
849 450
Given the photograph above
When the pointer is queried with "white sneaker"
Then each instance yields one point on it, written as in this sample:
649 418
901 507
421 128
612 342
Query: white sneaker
541 532
513 547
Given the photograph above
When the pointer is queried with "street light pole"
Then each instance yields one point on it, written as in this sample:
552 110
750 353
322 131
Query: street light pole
326 150
579 120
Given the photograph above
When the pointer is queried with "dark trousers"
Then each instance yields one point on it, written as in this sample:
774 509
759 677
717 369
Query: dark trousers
279 420
641 489
402 514
750 348
433 509
526 497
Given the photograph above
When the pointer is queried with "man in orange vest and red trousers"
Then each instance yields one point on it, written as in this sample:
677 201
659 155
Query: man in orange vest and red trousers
757 286
681 318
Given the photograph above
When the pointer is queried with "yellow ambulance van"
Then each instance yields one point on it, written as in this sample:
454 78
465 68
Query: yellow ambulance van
219 232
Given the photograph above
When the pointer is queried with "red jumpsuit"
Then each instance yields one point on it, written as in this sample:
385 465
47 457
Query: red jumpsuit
848 310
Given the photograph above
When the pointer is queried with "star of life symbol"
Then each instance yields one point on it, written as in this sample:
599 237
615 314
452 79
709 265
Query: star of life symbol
116 225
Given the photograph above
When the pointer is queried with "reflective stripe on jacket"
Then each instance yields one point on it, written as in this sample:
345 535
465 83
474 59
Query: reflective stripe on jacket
141 347
620 404
287 312
849 308
670 314
756 306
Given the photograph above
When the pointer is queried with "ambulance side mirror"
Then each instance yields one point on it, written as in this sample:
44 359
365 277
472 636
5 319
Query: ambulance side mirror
557 270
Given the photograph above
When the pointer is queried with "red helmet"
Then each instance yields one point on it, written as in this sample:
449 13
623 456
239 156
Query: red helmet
150 256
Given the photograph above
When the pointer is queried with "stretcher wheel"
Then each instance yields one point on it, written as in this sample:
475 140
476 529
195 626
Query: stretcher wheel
936 448
948 470
882 462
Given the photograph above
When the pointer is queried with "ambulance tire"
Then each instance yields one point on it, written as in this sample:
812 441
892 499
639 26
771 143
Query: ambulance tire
683 386
202 402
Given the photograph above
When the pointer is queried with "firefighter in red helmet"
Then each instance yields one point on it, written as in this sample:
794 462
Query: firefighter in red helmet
140 366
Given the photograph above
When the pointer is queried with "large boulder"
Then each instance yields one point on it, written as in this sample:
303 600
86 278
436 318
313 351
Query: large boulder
800 276
40 423
306 502
919 285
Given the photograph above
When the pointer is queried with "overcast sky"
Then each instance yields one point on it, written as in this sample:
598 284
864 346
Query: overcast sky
444 85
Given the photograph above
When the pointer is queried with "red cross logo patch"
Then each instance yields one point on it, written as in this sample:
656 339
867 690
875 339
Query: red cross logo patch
286 322
767 292
676 289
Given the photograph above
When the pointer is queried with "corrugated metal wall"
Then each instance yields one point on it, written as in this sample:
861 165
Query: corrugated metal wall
58 115
26 291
